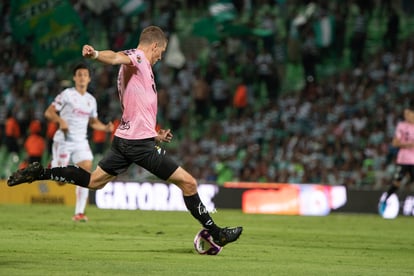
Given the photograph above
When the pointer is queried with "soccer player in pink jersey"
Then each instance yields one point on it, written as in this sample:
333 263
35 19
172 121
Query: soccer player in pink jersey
404 140
73 110
136 139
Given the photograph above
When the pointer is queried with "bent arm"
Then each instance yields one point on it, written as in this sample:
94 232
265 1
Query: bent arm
95 123
52 115
105 56
399 144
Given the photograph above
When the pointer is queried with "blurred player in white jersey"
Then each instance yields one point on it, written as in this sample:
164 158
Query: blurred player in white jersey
74 109
404 141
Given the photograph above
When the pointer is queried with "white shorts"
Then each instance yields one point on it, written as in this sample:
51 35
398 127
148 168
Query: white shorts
64 153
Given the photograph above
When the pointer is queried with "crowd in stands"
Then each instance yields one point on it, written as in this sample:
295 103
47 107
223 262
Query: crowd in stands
229 109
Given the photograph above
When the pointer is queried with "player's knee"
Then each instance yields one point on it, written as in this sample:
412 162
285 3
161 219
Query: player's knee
185 181
95 183
95 186
99 179
189 186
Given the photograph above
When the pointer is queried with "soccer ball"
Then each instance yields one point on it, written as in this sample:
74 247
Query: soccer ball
204 244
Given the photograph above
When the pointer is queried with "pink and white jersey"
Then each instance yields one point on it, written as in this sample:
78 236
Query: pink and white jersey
75 109
405 133
138 96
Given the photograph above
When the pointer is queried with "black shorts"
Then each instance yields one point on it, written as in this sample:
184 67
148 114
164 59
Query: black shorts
402 170
145 153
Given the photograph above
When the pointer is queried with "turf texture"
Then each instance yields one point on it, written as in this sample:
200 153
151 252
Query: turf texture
42 240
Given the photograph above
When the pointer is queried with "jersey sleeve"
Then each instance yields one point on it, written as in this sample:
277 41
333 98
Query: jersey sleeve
134 56
60 100
94 111
398 131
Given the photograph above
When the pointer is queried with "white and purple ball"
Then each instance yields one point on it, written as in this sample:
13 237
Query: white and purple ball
204 244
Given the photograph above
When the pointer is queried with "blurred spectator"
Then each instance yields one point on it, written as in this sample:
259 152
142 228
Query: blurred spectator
177 105
201 96
240 99
338 44
268 23
47 75
323 24
21 66
35 144
266 73
224 173
220 93
392 31
12 134
3 117
359 37
310 58
99 140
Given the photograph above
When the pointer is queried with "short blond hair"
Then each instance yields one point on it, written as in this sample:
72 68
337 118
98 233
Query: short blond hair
152 34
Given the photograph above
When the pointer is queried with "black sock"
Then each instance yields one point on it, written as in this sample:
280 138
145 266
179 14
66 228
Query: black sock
199 212
391 190
70 174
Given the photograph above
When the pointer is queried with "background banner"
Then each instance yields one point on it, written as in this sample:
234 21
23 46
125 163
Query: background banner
52 27
289 199
48 192
267 198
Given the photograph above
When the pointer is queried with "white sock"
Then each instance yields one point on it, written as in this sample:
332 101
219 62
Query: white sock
81 199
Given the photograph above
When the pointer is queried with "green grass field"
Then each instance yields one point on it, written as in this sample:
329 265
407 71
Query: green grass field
42 240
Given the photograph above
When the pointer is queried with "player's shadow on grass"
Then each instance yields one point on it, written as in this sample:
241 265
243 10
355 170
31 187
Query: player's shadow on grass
173 250
160 251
